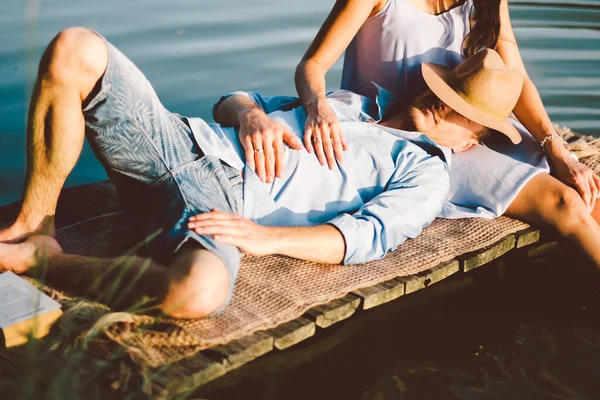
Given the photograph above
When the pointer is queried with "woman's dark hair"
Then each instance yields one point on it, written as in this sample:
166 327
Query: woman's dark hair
486 30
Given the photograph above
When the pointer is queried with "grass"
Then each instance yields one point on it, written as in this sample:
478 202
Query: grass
77 360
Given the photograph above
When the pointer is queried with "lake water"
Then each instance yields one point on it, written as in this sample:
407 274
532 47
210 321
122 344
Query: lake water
194 51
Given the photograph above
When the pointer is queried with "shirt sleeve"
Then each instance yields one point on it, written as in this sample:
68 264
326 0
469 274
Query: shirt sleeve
410 203
267 103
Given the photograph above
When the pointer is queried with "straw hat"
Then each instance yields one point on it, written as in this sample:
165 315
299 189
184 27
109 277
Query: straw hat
480 88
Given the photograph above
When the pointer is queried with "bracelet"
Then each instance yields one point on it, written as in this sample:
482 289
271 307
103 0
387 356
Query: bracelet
550 137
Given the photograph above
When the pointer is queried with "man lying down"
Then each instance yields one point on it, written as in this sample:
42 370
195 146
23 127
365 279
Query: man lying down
195 183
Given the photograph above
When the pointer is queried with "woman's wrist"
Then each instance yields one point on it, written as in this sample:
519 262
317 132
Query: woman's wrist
555 148
315 104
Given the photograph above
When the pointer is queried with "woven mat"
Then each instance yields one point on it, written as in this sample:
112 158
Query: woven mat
270 290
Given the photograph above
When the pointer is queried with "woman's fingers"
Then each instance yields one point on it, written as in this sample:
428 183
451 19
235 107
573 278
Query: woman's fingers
308 137
338 146
593 188
292 140
317 143
327 145
597 181
582 185
342 137
326 140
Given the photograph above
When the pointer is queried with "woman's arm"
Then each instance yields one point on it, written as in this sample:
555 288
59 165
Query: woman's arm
531 113
338 30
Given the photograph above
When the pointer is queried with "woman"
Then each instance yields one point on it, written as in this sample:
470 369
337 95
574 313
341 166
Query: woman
385 42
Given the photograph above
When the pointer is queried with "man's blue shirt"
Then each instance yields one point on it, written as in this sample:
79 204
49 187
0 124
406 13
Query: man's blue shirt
391 185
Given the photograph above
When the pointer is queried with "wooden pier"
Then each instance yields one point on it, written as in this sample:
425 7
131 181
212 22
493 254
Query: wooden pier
88 201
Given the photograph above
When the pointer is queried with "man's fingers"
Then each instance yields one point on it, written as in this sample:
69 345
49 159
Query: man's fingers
249 151
223 229
279 158
259 157
338 148
214 214
327 146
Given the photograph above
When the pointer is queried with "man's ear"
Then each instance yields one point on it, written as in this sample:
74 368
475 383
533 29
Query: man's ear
466 145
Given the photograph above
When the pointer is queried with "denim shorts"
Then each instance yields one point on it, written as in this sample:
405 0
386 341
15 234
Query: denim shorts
161 175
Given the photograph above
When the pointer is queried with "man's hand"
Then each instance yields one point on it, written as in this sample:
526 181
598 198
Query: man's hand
323 134
248 236
262 139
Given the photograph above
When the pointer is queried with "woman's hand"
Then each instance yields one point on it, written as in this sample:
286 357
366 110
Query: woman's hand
323 134
248 236
262 139
573 173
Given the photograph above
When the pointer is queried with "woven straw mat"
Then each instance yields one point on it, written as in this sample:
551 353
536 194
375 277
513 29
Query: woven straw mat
272 290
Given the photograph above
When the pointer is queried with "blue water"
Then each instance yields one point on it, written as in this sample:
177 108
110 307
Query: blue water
194 51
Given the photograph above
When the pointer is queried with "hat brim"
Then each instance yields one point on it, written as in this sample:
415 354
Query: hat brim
435 77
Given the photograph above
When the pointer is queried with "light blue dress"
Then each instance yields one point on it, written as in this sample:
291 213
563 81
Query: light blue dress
389 50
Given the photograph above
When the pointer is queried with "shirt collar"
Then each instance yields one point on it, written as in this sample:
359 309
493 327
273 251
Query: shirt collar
387 101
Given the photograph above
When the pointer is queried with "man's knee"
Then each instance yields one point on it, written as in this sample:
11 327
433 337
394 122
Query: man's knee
75 55
202 290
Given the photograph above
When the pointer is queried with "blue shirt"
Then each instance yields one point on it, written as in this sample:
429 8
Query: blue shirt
391 185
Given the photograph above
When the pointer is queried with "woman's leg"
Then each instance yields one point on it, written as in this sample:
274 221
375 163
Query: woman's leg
596 212
546 201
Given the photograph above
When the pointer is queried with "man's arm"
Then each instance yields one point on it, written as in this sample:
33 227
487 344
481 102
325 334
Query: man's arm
410 203
261 137
322 243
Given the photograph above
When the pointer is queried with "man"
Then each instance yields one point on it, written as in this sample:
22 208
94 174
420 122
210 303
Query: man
190 179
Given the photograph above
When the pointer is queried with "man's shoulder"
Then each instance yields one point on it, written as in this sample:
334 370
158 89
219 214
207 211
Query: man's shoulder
346 103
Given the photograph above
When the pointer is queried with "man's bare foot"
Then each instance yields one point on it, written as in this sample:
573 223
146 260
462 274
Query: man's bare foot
18 231
21 257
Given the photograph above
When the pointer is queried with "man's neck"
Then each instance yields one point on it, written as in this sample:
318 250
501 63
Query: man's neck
403 121
400 120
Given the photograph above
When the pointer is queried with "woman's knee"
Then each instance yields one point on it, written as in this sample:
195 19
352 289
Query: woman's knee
75 54
568 201
546 200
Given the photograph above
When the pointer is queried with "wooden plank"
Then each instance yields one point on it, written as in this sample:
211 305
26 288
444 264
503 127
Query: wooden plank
75 204
189 373
381 293
527 237
334 311
428 277
542 250
483 256
238 352
290 333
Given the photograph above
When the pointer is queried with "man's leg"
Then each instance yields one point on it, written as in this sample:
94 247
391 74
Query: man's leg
152 158
69 70
194 284
545 200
